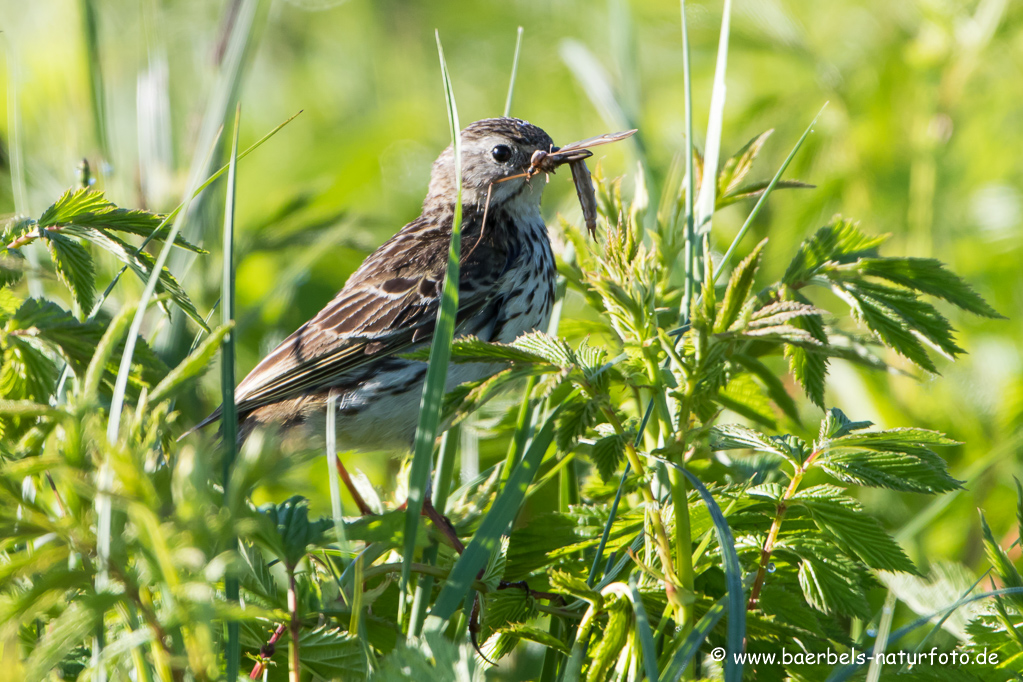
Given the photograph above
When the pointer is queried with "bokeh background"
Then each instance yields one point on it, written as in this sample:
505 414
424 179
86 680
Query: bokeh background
922 138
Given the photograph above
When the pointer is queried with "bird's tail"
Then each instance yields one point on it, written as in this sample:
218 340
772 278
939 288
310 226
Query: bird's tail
205 422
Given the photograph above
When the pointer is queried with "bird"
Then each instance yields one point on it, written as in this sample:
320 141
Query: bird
355 348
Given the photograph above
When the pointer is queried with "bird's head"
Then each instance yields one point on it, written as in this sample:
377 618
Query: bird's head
497 155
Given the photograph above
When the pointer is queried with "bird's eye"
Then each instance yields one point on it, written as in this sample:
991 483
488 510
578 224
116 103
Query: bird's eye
501 153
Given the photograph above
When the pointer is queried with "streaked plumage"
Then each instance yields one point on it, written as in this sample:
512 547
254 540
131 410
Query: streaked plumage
389 305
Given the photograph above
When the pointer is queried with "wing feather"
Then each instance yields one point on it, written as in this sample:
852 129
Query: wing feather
389 305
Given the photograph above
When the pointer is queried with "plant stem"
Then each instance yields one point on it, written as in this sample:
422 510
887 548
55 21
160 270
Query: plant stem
660 535
772 534
293 666
266 653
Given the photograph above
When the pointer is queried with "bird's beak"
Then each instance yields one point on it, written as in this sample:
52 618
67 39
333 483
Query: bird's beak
557 158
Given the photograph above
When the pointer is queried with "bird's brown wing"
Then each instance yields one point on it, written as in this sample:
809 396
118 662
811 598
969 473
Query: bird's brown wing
388 305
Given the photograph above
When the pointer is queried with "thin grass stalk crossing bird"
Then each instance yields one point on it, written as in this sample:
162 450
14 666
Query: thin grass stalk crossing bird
353 348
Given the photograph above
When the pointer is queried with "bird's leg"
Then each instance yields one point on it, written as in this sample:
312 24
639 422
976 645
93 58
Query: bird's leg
364 508
443 523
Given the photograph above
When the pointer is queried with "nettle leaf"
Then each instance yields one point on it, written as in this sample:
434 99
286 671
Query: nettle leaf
566 583
610 641
576 419
845 521
74 269
607 454
900 320
12 266
468 397
505 607
26 373
929 276
835 425
781 312
142 264
289 531
332 654
738 289
472 349
1000 561
735 169
735 436
918 472
533 634
755 189
809 367
553 349
840 242
89 208
831 581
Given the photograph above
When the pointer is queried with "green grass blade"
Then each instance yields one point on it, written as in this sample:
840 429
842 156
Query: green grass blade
646 636
733 575
712 151
694 640
229 422
440 349
441 488
763 197
97 99
515 68
690 230
495 524
117 400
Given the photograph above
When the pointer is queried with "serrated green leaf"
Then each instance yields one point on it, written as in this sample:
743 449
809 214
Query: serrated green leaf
840 242
610 642
755 189
835 425
472 349
289 531
74 269
928 276
809 367
1001 562
566 583
332 654
553 349
844 520
538 636
888 325
736 436
142 264
831 581
89 208
893 470
11 266
738 289
895 439
574 421
607 454
736 168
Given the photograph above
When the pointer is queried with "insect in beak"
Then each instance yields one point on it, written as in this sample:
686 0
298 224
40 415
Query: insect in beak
575 156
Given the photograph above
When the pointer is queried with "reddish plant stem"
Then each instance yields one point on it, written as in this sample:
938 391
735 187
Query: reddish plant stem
266 653
772 535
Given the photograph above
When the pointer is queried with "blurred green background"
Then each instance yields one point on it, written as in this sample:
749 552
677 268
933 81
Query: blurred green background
922 138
